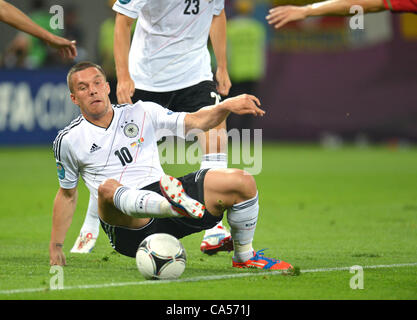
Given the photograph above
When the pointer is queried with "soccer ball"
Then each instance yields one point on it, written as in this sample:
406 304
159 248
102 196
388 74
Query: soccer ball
161 256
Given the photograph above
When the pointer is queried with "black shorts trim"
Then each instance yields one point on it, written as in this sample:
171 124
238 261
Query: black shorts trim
189 99
126 240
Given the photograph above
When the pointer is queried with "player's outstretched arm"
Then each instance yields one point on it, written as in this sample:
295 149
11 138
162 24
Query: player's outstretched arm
121 45
66 48
17 19
211 116
63 211
281 15
219 43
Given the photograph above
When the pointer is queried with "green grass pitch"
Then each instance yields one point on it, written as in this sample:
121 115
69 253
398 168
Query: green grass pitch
319 209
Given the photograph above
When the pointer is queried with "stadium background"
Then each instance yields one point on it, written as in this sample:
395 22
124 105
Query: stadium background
319 80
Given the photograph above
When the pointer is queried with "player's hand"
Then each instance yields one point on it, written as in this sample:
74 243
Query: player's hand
223 81
56 255
66 48
125 90
244 104
281 15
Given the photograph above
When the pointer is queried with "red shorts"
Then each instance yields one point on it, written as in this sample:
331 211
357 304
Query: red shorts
401 5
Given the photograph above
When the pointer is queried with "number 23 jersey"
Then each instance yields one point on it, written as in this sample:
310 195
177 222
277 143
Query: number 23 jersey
169 51
126 151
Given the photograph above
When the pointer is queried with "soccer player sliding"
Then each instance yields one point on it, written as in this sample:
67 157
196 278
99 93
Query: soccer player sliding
135 197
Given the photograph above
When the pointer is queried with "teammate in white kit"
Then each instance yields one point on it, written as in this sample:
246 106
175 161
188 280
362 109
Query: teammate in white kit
114 149
167 62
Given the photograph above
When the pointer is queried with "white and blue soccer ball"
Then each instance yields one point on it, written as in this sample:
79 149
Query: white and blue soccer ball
161 256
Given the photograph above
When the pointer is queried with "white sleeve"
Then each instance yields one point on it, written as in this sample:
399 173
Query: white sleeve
66 164
218 6
166 122
129 8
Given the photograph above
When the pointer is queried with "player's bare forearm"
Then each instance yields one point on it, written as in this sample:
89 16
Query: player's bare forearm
64 208
281 15
218 39
122 32
342 7
331 7
125 85
63 211
206 118
219 43
17 19
211 116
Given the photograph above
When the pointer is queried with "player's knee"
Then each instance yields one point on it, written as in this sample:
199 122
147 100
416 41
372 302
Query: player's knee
106 189
245 184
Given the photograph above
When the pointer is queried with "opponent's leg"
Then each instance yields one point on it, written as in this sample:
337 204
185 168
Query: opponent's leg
214 145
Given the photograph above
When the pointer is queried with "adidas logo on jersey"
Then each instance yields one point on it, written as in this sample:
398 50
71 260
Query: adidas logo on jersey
94 147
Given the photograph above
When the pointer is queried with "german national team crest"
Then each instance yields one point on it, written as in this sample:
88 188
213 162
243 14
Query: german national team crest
130 129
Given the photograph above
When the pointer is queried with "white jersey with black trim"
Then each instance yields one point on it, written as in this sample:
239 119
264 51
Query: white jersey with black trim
126 151
169 46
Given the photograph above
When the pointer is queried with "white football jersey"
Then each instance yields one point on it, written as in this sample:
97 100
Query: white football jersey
126 151
169 46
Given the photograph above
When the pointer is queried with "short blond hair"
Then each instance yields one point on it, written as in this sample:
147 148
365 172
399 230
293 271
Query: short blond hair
79 67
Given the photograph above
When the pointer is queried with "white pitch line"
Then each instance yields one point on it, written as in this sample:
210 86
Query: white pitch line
202 278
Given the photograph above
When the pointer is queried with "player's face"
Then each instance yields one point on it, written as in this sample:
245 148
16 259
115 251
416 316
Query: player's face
91 93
